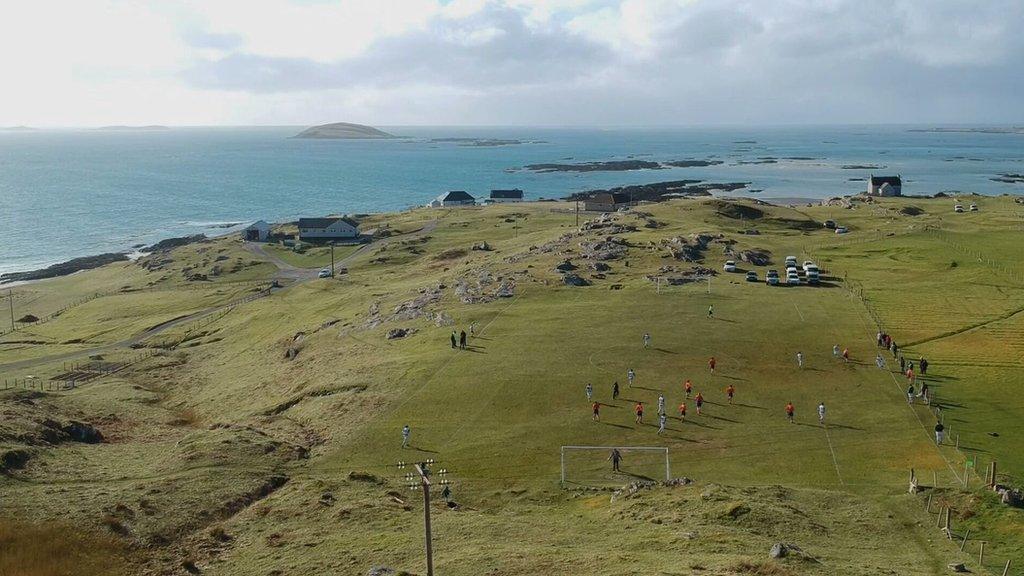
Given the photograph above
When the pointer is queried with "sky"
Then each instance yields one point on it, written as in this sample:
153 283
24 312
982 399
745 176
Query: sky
511 62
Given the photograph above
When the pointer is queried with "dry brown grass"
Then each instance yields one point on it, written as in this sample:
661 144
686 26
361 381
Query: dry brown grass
761 568
58 550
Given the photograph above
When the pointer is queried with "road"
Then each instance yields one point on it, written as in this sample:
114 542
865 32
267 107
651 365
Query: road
285 271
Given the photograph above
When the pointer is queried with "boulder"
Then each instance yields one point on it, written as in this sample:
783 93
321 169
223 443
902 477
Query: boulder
396 333
482 246
756 257
83 432
28 319
565 266
575 280
779 550
600 267
956 566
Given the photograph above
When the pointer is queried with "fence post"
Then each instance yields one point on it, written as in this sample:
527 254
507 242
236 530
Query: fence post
981 555
1006 568
964 543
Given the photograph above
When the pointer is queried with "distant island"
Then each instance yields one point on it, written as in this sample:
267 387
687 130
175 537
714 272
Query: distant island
979 130
343 131
17 129
619 165
152 127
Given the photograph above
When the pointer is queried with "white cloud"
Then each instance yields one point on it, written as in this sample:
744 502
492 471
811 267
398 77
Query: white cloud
94 62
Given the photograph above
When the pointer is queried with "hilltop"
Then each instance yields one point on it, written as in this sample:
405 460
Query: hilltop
343 131
249 430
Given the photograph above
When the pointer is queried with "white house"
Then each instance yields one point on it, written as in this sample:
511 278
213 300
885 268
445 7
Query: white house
453 198
331 228
514 195
258 231
885 185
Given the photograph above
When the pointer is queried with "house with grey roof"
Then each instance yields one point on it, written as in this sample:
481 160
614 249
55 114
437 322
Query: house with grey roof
329 228
453 198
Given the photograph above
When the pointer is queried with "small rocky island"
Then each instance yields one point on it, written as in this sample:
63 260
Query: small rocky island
343 131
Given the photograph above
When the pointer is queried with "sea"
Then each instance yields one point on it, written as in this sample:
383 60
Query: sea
70 193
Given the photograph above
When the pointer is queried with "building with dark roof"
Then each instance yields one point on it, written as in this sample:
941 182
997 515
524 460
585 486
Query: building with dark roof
606 202
885 185
453 198
513 195
330 228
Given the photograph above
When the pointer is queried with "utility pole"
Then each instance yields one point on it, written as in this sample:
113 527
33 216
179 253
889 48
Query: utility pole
332 259
10 297
577 212
424 478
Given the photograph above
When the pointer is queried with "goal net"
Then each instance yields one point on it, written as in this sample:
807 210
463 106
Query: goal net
593 465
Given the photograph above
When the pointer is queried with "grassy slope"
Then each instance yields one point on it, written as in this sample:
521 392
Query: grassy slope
496 416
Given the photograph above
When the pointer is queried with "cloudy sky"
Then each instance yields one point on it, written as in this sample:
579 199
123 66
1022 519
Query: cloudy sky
511 62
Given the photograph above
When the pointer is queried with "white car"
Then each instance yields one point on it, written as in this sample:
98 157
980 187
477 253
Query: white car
792 278
730 266
974 207
325 273
958 208
812 277
841 230
812 269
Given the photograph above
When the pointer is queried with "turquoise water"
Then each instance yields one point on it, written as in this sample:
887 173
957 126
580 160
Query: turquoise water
73 193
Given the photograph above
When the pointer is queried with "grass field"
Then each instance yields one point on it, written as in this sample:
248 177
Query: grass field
268 441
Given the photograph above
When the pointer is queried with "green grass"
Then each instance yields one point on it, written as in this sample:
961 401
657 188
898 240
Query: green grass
201 431
313 257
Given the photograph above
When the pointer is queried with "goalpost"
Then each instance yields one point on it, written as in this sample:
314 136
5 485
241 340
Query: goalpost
590 465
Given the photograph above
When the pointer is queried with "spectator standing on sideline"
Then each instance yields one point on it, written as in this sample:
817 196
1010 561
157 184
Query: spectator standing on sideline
800 359
455 344
835 350
462 340
647 340
711 311
910 394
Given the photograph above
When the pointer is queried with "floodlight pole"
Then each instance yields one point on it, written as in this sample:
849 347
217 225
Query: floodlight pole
426 518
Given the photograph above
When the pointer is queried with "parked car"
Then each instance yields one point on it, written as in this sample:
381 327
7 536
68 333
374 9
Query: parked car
751 276
730 266
772 278
791 269
325 273
792 278
830 224
974 207
791 261
812 269
958 208
812 277
841 230
807 263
